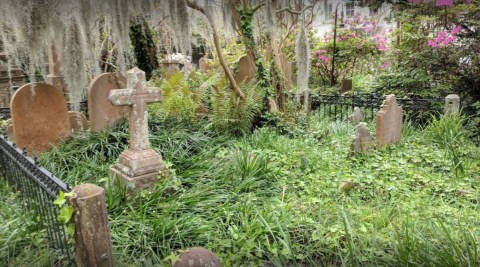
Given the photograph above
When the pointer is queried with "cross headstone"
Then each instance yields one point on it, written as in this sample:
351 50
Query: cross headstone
102 113
39 116
362 141
357 116
389 122
139 165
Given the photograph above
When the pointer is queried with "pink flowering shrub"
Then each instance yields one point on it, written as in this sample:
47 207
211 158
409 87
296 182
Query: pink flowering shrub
444 38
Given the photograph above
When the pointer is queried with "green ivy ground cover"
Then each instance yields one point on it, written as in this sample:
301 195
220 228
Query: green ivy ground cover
268 198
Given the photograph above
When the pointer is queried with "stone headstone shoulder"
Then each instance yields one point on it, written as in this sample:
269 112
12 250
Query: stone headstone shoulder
389 122
102 113
452 104
39 116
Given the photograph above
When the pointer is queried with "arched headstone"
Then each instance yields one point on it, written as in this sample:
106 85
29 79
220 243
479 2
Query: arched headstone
103 115
39 116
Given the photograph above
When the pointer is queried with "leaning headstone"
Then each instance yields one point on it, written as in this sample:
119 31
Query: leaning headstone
357 116
40 117
103 115
139 166
245 72
389 122
362 141
78 122
197 257
452 104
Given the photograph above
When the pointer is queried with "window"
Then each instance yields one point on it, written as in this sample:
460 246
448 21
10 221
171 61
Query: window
328 14
349 10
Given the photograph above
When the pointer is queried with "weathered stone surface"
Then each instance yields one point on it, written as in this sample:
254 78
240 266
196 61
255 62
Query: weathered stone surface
357 116
78 122
245 72
139 165
346 86
103 114
389 122
9 75
40 117
93 246
198 257
171 66
452 104
55 77
347 186
203 65
362 141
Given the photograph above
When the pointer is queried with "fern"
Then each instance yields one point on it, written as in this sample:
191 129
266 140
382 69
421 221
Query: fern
232 115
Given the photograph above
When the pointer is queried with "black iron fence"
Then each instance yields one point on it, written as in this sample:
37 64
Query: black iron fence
38 188
340 107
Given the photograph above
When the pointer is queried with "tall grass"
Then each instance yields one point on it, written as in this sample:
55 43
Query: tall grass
272 197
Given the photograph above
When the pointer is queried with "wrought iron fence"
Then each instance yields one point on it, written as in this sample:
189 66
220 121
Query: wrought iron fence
38 189
339 107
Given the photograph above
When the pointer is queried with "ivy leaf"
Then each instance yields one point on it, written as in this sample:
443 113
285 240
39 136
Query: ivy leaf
65 214
60 199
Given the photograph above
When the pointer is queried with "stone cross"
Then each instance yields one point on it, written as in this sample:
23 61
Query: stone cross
137 96
139 166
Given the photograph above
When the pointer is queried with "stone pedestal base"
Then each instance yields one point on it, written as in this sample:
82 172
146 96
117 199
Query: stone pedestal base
138 169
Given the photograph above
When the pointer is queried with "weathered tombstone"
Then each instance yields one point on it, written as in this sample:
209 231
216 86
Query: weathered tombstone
139 166
286 67
389 122
357 116
171 66
245 72
78 122
40 117
346 86
197 257
187 68
203 65
452 104
103 115
362 141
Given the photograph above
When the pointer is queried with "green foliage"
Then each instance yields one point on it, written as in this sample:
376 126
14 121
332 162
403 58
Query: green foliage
448 133
182 96
232 115
143 47
272 197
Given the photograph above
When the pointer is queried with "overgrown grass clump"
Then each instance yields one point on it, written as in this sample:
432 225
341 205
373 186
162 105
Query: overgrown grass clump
273 197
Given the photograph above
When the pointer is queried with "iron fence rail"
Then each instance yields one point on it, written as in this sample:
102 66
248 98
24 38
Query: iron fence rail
38 188
339 107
